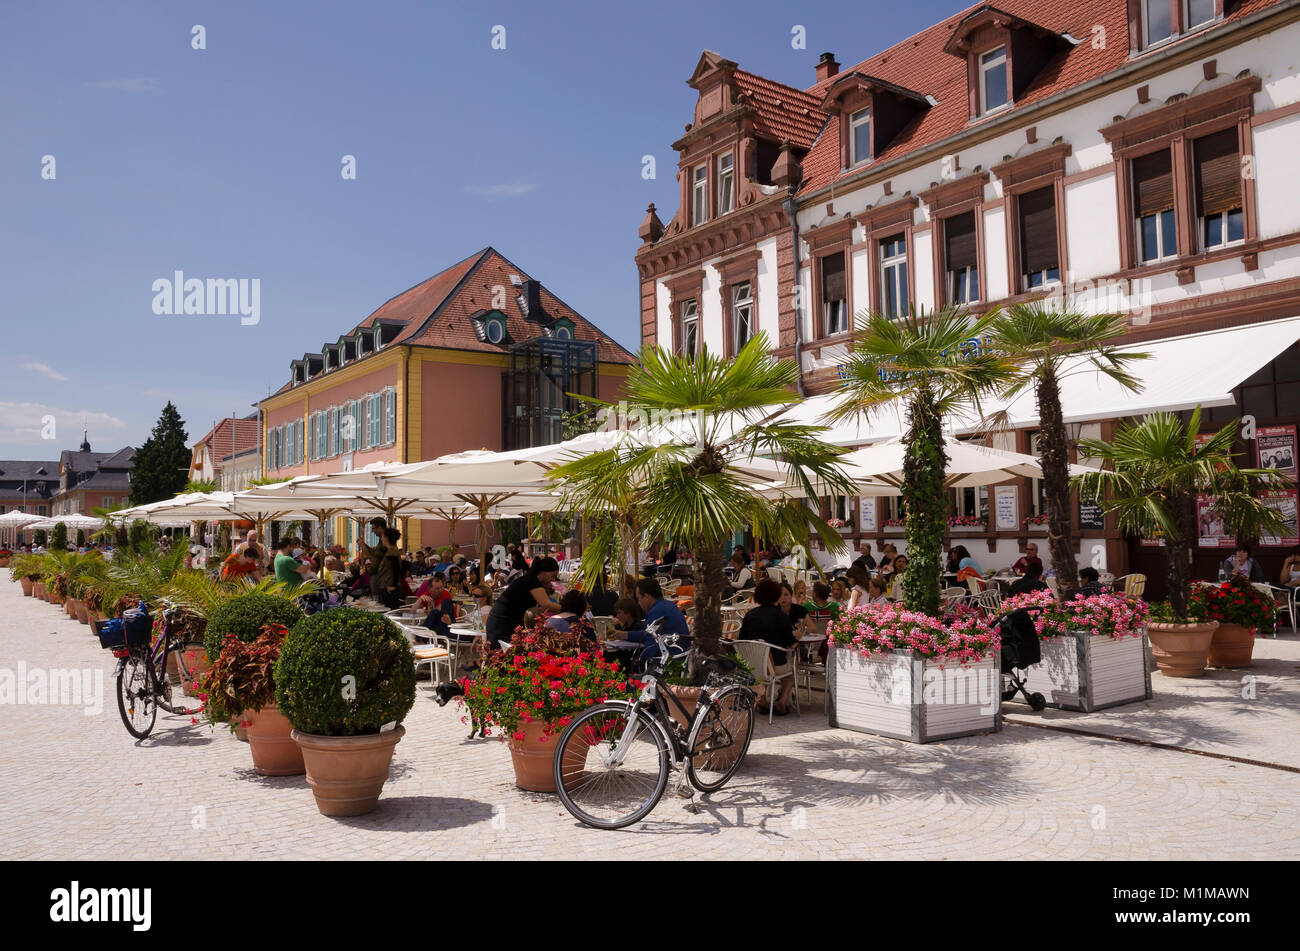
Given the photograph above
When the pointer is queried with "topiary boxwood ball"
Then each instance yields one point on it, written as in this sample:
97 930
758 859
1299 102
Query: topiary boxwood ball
244 615
345 672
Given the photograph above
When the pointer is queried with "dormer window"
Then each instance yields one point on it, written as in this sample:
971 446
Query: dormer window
699 195
363 343
860 136
726 183
495 329
993 80
1162 19
1157 21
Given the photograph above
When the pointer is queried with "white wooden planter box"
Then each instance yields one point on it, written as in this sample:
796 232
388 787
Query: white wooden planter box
908 697
1090 672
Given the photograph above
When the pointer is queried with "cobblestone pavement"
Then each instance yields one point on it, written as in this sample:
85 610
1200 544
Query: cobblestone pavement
77 786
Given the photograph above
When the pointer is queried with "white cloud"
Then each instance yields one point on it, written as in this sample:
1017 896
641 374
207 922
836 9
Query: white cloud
504 189
25 423
45 370
134 85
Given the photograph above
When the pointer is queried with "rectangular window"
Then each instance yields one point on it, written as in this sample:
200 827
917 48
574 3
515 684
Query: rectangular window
893 276
859 137
1040 262
1196 12
331 431
390 417
742 316
726 183
834 295
376 419
962 259
311 437
993 80
690 328
1157 21
321 437
1153 206
1217 165
700 195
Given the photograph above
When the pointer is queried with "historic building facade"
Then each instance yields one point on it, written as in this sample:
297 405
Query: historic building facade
1133 155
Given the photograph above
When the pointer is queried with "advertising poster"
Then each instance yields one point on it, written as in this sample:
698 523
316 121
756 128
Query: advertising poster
1211 532
1286 503
1007 507
867 521
1275 448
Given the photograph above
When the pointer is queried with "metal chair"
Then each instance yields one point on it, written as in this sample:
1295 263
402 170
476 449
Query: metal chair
814 666
990 599
1281 605
730 628
758 654
1131 585
429 648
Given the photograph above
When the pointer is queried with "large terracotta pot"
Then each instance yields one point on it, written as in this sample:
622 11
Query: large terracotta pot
270 740
1232 646
689 697
347 773
534 758
4 562
38 589
70 606
1181 650
83 613
27 584
198 665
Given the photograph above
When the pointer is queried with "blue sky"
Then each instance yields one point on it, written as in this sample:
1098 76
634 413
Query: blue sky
225 163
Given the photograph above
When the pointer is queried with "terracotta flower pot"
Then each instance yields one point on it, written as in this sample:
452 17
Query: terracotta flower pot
347 773
241 731
1181 650
534 758
38 589
1232 646
270 740
196 661
4 562
27 584
689 698
70 606
83 612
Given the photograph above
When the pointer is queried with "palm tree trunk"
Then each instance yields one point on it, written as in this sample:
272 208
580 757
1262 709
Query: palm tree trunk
1055 461
925 497
709 584
1178 559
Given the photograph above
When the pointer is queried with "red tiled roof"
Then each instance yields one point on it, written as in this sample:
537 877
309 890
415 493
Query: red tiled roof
920 63
783 112
219 437
423 299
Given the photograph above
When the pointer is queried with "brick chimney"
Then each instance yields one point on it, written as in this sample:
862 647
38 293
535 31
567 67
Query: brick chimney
827 67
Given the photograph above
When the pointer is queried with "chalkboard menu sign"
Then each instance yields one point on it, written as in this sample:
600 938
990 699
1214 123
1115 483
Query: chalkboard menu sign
1091 516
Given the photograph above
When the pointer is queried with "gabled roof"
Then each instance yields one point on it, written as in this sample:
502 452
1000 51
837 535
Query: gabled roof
219 437
783 112
18 470
919 63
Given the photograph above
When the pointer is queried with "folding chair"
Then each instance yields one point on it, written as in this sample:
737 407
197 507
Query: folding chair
1281 605
1131 585
758 654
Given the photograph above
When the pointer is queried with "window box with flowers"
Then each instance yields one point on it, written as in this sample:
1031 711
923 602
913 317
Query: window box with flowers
1242 612
1035 523
968 524
894 526
911 676
840 525
1094 650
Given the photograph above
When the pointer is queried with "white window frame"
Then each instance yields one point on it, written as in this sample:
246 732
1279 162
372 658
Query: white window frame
726 164
1165 254
390 416
860 118
1204 222
1046 280
699 195
1188 25
835 317
1147 41
962 279
741 304
986 66
893 273
690 317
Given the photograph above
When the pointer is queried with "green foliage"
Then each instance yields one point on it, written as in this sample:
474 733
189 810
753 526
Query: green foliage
81 538
924 465
160 465
244 616
345 672
200 485
243 676
39 538
59 537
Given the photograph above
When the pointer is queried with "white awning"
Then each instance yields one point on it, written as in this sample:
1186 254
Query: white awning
1200 369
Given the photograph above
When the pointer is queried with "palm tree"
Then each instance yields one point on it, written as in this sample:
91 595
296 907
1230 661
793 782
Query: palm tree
687 487
1049 344
934 364
1156 470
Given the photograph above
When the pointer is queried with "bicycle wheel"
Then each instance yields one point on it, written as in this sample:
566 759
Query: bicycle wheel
719 739
135 698
600 794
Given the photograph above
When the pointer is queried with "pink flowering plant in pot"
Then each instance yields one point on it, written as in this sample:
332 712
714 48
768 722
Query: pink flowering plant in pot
961 637
1108 615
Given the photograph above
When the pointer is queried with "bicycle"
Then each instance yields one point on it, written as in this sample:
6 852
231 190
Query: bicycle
612 762
142 685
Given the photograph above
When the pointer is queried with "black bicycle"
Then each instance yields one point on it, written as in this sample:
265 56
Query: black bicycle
142 684
612 762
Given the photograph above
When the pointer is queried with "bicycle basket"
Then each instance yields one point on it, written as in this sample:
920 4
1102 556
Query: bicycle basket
737 678
112 633
139 627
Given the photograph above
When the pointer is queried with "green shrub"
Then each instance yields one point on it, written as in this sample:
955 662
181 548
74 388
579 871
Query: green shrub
244 615
38 538
59 537
345 672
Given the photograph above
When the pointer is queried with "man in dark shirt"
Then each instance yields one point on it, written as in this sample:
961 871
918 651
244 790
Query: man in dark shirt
865 560
1090 584
1030 557
1032 581
671 620
769 623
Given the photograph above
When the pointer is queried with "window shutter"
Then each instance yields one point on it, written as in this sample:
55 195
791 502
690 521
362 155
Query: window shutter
1153 184
1038 231
833 285
1218 172
390 418
959 238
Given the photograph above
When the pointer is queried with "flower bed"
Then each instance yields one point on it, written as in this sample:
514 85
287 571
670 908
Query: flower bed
1094 650
915 677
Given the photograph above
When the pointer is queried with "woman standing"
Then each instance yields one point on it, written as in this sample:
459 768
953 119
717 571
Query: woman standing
527 591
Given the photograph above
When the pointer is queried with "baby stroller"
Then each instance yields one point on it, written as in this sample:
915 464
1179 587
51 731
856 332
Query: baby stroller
1020 650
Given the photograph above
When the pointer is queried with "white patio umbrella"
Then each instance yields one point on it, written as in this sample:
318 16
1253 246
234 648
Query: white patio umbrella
13 522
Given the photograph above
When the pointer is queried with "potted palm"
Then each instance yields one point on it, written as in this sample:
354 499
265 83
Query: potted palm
1155 468
531 692
1241 612
240 690
346 679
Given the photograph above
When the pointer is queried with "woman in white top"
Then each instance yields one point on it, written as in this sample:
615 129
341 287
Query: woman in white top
1291 569
859 595
742 577
877 588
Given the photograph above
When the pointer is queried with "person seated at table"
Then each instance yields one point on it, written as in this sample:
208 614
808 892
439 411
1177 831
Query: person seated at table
769 623
822 607
527 591
887 556
288 569
793 609
878 591
333 572
1032 579
456 583
1241 564
601 599
667 557
246 563
839 592
865 560
627 616
1030 557
1291 569
671 620
858 594
959 560
1089 582
741 578
800 591
434 595
419 566
573 609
